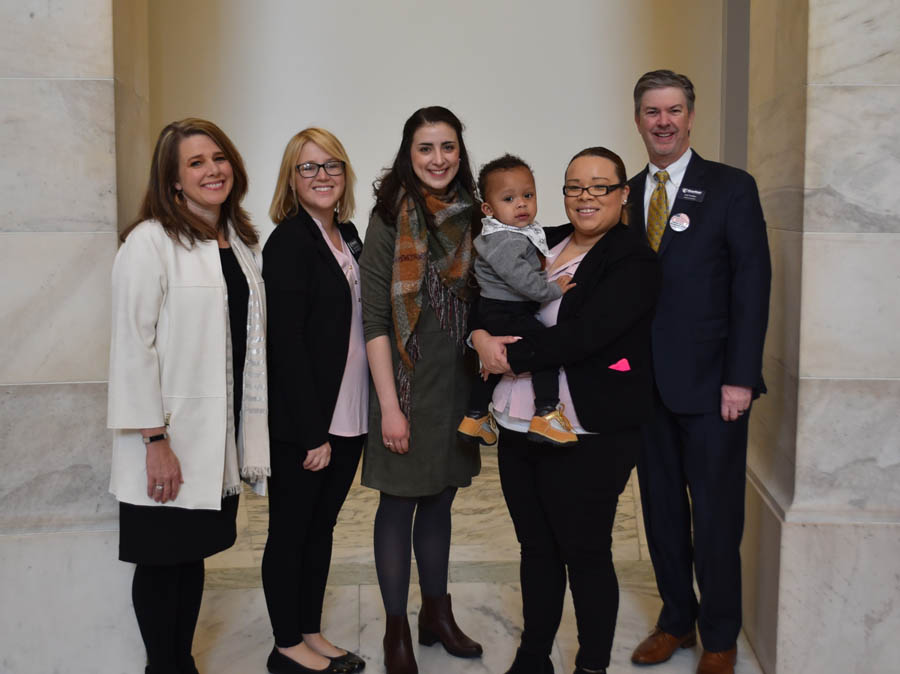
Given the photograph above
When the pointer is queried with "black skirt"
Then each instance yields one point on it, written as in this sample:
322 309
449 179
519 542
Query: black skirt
166 535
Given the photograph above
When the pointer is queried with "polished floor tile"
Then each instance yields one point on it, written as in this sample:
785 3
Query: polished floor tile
234 635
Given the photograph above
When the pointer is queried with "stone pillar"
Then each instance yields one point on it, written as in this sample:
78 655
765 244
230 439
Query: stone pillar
65 596
821 547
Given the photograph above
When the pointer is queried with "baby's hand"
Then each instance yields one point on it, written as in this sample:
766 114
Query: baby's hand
565 283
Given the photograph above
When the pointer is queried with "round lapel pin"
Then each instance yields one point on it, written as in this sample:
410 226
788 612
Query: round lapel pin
679 222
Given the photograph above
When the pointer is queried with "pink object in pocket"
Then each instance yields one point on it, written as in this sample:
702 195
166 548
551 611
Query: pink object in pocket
621 365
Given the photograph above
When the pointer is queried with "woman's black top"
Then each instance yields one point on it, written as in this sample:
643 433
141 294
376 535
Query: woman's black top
238 298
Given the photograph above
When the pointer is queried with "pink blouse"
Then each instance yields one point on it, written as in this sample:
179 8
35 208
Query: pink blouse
513 403
351 413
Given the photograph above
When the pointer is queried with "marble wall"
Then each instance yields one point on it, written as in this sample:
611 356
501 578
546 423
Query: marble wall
823 528
57 240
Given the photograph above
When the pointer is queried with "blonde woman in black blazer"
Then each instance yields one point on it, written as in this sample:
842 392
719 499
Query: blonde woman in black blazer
318 392
563 499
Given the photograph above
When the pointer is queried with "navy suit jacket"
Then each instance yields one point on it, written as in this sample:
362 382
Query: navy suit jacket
710 322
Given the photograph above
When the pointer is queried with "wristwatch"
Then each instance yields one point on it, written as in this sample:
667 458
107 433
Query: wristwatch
155 438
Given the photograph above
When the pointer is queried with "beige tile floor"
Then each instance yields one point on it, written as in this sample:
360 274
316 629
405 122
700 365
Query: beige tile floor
234 633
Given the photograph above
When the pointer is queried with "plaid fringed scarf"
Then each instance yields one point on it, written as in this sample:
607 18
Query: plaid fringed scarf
441 257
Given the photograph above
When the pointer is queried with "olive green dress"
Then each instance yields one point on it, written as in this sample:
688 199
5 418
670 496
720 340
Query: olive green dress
443 376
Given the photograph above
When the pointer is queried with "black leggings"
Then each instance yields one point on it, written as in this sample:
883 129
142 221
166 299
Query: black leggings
563 503
167 603
393 548
303 509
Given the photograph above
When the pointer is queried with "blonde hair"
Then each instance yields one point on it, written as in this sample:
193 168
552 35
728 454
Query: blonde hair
284 201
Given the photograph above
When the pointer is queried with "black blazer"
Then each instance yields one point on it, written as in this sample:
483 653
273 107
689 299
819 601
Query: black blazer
710 322
309 312
606 317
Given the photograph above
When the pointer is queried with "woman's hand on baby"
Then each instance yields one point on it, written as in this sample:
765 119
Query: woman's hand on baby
565 283
492 350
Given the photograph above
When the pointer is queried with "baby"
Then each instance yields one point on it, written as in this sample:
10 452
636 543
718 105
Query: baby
509 271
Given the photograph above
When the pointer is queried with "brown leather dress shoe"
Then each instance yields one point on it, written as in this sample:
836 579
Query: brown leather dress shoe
718 662
659 646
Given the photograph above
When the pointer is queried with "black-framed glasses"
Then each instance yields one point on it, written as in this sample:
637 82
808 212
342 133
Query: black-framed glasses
310 169
593 190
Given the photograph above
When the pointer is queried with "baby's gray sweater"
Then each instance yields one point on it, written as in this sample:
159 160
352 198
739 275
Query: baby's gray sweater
508 268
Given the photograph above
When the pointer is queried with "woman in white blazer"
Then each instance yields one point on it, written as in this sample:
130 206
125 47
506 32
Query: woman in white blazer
187 380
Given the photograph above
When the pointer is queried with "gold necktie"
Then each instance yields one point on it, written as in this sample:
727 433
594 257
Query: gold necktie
658 211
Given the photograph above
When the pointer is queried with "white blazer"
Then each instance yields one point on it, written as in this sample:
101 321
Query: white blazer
167 362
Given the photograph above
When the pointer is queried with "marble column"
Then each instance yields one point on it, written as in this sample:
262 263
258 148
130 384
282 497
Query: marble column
821 585
65 597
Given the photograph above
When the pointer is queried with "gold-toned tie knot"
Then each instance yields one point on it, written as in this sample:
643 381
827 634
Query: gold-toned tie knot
658 212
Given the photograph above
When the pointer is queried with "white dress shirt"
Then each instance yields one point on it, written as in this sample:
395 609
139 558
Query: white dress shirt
676 174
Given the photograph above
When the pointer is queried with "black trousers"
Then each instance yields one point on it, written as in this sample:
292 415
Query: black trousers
563 503
303 509
512 318
707 456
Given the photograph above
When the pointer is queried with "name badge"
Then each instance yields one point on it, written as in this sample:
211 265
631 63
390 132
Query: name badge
355 247
692 195
679 222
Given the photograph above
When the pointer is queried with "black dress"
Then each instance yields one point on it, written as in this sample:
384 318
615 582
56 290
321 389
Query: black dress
163 534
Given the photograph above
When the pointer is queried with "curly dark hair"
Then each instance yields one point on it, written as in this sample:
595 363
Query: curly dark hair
504 163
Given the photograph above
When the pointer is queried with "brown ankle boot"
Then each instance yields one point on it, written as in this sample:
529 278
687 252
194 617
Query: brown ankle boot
398 649
436 623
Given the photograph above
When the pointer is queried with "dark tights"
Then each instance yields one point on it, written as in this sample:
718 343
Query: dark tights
167 603
393 547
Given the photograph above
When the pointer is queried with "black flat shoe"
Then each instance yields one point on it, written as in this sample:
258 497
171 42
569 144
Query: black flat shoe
349 662
282 664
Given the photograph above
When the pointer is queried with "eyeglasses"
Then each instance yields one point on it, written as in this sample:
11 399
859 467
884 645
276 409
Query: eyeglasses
593 190
310 169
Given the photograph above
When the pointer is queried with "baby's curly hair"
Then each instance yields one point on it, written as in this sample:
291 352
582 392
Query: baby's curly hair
504 163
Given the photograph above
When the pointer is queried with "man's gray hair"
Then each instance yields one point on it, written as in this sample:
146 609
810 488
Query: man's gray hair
661 79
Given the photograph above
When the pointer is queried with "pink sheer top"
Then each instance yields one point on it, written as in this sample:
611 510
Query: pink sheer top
351 414
513 403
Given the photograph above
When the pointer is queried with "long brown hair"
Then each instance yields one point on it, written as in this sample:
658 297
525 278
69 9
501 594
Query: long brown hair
400 177
163 203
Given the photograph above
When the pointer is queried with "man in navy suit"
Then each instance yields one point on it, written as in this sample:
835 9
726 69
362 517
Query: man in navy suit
705 221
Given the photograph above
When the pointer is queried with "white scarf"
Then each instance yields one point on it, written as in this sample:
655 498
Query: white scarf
251 452
533 232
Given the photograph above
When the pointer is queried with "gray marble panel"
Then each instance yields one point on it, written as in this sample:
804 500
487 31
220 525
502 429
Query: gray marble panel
59 167
850 314
776 132
848 447
56 306
854 42
783 333
134 151
760 569
56 456
852 169
773 432
67 606
56 39
839 609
